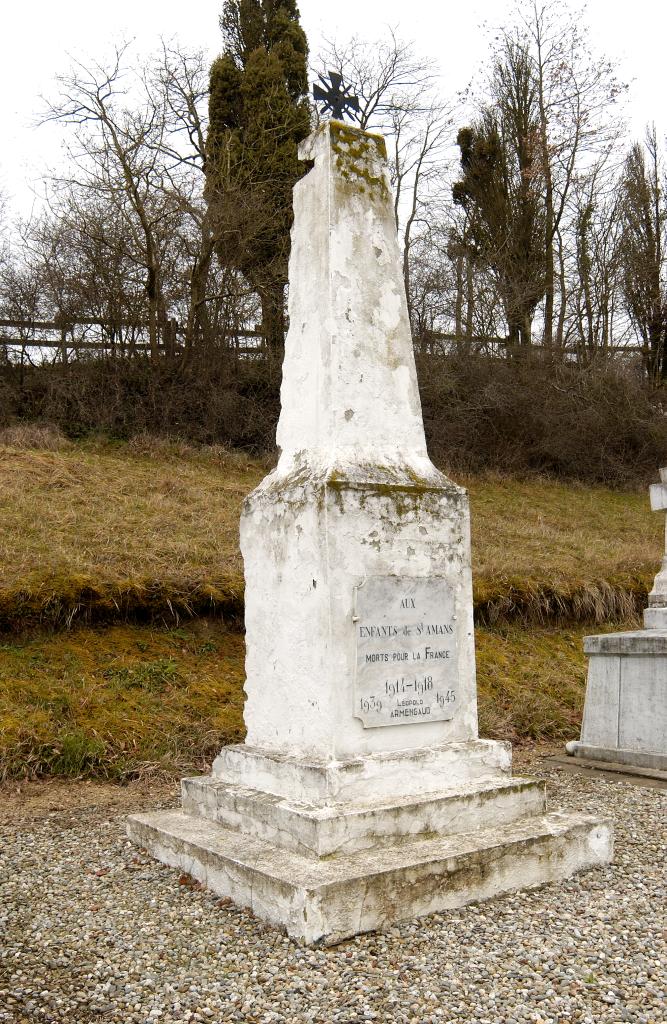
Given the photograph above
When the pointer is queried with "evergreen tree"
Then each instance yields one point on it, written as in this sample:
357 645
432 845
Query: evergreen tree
258 112
501 191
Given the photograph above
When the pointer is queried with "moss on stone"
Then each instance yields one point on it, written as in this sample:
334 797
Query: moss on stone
356 151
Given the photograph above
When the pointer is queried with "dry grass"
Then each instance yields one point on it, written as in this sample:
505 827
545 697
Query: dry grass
109 511
110 531
544 529
545 552
531 682
136 701
106 531
34 436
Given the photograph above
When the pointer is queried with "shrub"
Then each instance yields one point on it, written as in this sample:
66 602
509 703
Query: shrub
597 424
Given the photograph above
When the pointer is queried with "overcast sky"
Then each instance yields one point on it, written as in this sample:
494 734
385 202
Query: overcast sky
38 36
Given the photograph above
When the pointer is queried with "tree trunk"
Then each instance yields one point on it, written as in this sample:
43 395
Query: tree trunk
153 312
273 319
470 302
458 302
198 326
549 225
562 310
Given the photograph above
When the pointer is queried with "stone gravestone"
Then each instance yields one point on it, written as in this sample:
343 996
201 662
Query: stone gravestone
625 714
362 794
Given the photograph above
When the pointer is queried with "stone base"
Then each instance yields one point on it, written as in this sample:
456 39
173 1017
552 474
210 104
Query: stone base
654 764
655 618
333 829
327 900
329 849
625 714
364 779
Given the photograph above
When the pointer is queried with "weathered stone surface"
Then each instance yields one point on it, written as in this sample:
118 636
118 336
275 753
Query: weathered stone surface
349 379
639 641
625 714
307 546
325 901
656 762
388 774
354 497
655 618
626 697
327 829
658 496
362 794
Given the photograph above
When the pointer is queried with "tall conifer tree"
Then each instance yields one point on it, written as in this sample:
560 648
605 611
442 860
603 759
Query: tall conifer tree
259 112
501 190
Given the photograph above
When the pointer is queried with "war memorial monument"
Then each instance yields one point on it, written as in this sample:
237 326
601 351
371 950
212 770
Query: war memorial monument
363 794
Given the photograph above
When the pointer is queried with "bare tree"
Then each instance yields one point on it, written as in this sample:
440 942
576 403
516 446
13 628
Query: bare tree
177 82
644 248
117 155
138 159
501 187
398 96
577 92
590 261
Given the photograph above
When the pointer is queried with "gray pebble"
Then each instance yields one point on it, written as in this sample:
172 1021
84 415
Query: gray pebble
133 946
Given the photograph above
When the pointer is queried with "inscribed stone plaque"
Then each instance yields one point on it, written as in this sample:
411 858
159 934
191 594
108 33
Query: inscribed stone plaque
406 657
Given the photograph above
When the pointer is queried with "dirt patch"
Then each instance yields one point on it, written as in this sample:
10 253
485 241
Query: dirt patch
27 800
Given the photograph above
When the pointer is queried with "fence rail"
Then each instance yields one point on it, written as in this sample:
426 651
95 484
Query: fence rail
68 337
114 342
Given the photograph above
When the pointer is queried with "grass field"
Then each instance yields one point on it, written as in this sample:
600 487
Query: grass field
149 530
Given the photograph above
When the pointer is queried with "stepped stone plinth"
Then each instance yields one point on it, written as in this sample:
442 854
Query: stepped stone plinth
363 794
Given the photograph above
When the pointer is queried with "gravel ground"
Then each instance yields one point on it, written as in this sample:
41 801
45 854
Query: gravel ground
90 930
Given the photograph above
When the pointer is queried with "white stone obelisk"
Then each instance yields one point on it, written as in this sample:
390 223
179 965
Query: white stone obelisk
625 714
355 498
363 794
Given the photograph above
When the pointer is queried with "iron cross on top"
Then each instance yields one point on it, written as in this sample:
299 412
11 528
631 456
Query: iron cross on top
334 96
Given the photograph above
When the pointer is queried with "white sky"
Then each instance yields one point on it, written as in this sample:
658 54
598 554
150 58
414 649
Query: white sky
38 35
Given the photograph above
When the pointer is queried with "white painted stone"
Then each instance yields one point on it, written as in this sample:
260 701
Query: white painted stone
362 794
625 714
601 708
354 496
643 704
349 380
658 495
308 543
326 829
326 900
655 616
401 773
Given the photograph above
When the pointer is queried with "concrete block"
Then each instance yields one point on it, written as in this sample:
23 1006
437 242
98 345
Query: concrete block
326 901
655 618
332 829
625 713
389 774
650 760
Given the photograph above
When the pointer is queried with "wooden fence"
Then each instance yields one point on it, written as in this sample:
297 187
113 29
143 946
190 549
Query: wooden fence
114 338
